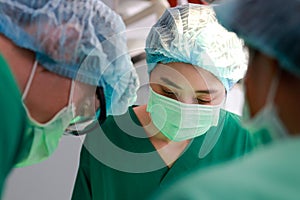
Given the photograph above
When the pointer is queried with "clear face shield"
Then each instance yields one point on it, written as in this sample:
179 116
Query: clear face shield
86 106
185 101
90 109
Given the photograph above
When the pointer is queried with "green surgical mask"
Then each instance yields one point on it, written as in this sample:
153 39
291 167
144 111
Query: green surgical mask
45 137
179 121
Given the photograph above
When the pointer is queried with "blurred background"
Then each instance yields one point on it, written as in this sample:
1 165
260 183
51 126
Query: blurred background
54 178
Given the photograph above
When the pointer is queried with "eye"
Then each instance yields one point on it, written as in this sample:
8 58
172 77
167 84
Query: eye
169 93
203 101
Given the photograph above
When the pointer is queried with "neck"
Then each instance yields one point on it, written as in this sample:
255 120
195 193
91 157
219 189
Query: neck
290 120
167 149
287 101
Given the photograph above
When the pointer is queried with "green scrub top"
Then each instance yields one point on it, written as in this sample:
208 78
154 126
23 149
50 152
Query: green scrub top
118 161
271 172
12 123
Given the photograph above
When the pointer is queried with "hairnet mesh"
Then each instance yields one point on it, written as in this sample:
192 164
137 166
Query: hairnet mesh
83 40
272 27
191 34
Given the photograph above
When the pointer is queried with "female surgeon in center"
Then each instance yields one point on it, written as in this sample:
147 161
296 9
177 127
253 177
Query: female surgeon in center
193 62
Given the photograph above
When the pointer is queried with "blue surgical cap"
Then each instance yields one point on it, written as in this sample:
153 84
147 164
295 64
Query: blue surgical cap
272 27
82 40
191 34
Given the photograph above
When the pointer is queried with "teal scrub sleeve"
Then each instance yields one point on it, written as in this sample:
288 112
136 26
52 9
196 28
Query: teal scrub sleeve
12 123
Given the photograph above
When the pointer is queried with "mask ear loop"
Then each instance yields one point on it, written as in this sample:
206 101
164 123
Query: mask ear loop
71 93
28 84
273 88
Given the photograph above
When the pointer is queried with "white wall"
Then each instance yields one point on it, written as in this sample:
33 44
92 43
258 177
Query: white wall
49 180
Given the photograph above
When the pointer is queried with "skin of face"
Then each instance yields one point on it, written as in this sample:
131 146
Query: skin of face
261 71
258 79
49 92
187 84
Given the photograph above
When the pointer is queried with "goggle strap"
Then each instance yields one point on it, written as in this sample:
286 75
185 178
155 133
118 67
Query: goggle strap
101 97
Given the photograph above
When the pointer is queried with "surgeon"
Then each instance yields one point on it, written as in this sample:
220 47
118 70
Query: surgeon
61 61
193 63
271 30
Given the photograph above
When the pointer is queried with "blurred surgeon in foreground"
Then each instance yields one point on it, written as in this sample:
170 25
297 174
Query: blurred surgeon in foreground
193 62
271 29
60 62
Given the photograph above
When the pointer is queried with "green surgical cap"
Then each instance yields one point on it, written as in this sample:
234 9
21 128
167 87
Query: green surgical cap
191 34
272 27
82 40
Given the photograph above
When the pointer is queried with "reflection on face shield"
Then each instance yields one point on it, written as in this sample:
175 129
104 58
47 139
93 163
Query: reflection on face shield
90 111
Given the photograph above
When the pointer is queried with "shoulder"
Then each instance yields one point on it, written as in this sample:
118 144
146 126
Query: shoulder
233 124
117 122
112 128
231 118
13 116
234 136
120 130
269 173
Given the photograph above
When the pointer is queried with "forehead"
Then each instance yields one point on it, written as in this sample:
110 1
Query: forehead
186 76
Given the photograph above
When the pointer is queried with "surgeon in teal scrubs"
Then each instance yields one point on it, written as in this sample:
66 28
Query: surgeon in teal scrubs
193 62
271 30
59 55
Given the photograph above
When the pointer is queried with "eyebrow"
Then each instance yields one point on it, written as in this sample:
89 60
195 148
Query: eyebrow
206 91
167 81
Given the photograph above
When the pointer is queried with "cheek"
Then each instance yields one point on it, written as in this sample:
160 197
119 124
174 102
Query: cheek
47 96
256 90
59 93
